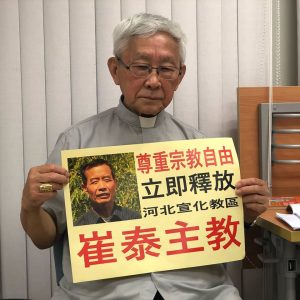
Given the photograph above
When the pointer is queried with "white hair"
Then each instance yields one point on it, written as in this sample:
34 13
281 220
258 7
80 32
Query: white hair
145 25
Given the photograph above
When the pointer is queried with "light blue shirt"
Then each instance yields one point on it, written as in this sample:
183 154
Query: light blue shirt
119 126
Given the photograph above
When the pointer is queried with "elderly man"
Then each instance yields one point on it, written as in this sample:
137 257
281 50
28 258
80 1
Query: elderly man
148 65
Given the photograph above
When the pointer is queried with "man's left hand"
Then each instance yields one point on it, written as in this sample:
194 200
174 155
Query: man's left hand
255 194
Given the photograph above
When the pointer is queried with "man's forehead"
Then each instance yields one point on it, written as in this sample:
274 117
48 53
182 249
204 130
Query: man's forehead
99 176
148 56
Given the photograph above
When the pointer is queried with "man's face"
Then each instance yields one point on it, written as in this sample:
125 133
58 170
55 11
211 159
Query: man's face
147 95
100 186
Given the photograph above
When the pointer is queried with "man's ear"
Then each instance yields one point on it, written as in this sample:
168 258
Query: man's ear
180 77
84 188
113 69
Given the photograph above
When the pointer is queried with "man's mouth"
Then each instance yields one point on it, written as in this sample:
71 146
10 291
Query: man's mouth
151 98
103 196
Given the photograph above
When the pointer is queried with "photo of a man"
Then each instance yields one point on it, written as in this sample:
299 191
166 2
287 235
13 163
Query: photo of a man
100 184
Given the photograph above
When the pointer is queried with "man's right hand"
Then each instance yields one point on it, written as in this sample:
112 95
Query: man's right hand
32 197
37 223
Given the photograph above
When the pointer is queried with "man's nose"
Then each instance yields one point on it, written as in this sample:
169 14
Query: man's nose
101 186
153 80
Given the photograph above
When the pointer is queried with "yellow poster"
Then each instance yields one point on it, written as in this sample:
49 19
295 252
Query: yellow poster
143 208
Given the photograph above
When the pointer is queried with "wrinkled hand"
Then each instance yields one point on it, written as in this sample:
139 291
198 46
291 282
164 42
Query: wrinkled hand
255 194
32 198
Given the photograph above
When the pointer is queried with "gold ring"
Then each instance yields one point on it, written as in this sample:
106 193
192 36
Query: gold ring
46 187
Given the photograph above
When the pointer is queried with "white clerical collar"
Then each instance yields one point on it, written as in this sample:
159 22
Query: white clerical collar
147 122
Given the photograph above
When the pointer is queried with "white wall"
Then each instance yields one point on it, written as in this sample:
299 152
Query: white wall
285 70
53 73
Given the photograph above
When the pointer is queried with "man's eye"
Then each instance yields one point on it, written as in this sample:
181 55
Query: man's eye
143 68
166 69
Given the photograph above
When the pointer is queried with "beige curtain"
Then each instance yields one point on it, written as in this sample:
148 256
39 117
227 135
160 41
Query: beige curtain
53 73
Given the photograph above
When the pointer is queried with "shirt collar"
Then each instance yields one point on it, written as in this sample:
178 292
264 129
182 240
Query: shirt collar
95 218
133 119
